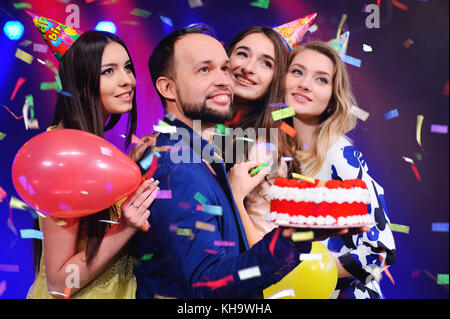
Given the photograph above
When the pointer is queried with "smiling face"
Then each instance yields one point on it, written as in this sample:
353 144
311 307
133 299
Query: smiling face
252 64
202 79
117 81
309 84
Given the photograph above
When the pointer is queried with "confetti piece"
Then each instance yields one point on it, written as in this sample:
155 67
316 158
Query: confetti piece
442 279
224 243
2 136
106 151
147 161
259 168
24 56
245 139
67 292
274 240
399 5
57 293
440 129
15 116
302 236
184 232
48 86
341 23
264 4
165 129
400 228
200 198
439 227
445 89
210 251
313 28
212 209
351 60
248 273
140 13
195 3
419 129
205 226
317 256
222 129
416 172
283 293
283 113
415 273
2 287
30 233
25 43
418 156
407 159
108 221
9 268
166 20
147 256
407 43
301 177
21 5
61 223
164 194
367 48
65 207
359 113
40 47
17 204
2 191
287 158
391 114
277 105
19 83
215 284
289 130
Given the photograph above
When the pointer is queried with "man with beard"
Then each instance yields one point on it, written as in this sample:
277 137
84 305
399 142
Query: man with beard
196 246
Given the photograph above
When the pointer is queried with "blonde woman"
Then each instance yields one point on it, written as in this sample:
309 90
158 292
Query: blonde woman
317 87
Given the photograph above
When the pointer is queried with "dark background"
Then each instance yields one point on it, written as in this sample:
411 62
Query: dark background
392 76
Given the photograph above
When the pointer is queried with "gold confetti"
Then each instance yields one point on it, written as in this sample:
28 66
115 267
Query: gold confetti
24 56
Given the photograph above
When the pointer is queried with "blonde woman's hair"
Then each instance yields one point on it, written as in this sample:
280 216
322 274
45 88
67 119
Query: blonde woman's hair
336 120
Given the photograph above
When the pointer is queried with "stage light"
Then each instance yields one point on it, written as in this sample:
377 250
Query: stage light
13 29
107 26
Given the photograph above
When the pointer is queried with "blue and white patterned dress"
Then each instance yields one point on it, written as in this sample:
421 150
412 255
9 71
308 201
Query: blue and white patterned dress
362 254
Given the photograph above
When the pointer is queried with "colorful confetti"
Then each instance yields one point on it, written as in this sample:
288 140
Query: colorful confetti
205 226
399 5
283 113
224 243
442 279
264 4
164 194
140 13
399 228
289 130
9 268
19 83
439 227
31 233
195 3
407 43
317 256
351 60
391 114
301 177
248 273
24 56
419 129
259 168
302 236
215 284
359 113
439 129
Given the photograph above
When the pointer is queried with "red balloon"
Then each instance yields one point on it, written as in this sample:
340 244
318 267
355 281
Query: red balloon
70 173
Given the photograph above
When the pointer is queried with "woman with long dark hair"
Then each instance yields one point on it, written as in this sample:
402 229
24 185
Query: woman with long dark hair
87 254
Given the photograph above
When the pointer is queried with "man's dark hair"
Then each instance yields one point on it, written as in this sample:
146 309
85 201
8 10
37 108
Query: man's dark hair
161 61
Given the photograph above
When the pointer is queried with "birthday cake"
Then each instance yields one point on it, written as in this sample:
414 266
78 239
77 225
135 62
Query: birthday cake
331 204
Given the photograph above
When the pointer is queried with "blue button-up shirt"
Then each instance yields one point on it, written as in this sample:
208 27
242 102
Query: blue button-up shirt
196 244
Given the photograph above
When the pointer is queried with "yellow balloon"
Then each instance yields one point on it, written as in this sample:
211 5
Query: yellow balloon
312 279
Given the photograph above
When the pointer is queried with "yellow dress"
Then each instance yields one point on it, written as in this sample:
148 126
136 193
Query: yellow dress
115 282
